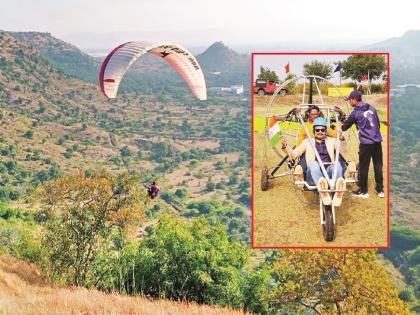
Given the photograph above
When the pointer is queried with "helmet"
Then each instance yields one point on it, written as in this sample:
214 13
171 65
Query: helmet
320 121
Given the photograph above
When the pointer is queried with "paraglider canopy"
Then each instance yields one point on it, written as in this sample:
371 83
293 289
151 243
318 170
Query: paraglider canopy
122 57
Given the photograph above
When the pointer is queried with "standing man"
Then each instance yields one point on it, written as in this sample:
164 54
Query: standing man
367 122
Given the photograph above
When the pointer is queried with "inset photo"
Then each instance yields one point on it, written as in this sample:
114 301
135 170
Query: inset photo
320 150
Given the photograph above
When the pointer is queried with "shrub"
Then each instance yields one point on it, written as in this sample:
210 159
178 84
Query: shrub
190 261
406 294
29 134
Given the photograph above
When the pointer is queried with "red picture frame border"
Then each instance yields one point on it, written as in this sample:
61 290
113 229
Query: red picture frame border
387 54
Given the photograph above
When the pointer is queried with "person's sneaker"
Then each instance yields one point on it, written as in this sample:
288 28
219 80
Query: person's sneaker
325 195
350 170
298 176
380 194
298 173
338 196
359 193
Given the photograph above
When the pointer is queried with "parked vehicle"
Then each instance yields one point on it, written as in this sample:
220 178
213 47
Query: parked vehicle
263 87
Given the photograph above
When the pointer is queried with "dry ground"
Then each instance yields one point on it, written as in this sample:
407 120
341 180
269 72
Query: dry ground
24 291
281 219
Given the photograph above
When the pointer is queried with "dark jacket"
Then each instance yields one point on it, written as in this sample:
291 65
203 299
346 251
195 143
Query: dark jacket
367 122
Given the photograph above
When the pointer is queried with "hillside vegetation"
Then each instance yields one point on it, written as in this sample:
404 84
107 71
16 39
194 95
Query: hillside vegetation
405 157
23 290
75 206
53 123
62 55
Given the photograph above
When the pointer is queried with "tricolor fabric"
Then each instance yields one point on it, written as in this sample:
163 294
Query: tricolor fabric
274 132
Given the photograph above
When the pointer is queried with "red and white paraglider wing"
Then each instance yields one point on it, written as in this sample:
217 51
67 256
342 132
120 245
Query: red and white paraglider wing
121 58
186 65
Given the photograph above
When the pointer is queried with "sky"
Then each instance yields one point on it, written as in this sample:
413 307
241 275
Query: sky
277 63
235 22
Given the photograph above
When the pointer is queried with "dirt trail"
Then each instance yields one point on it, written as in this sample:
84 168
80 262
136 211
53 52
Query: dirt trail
280 219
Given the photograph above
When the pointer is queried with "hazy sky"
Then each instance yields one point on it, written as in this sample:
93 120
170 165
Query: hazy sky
278 62
235 22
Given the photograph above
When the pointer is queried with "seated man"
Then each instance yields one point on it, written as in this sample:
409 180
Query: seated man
325 147
312 113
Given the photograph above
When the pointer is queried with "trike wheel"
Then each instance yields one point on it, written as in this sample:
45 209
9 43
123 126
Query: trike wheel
328 228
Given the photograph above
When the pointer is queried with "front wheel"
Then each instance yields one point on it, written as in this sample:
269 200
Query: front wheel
328 228
283 92
261 92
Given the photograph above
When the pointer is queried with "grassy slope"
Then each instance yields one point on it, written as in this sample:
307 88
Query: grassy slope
24 291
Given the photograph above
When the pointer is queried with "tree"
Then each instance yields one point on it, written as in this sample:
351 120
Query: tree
319 68
341 280
233 179
190 260
29 134
406 294
210 186
83 212
292 85
256 288
267 74
356 66
181 193
125 152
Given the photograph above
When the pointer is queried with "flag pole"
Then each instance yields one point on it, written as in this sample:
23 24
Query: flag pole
340 78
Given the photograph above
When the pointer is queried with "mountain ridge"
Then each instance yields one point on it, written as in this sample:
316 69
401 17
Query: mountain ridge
61 54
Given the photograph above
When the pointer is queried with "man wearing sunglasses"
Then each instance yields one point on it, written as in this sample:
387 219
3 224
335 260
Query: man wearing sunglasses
368 125
325 147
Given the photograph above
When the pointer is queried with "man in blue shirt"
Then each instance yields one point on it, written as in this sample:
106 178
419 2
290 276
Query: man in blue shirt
367 123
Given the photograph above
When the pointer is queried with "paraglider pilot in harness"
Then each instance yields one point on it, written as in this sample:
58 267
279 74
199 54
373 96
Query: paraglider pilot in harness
153 190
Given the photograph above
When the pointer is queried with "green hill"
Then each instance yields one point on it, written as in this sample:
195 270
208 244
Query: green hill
223 66
62 55
405 187
405 56
52 124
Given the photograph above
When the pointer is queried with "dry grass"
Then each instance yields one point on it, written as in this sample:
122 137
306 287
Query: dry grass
24 291
281 219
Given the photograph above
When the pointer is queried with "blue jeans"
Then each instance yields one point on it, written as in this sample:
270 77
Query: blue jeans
314 173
